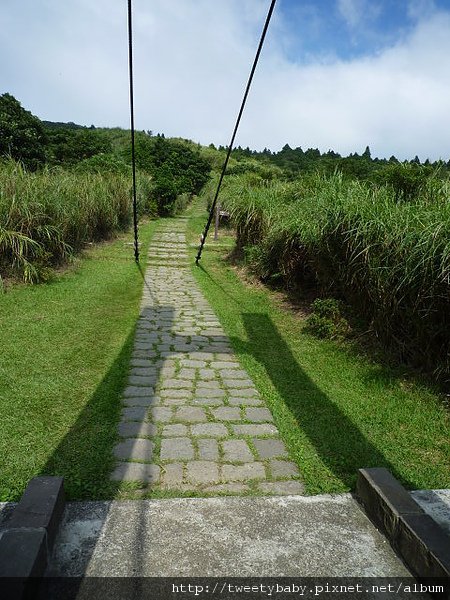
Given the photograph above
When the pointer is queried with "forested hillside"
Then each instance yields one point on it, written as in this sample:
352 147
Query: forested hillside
63 185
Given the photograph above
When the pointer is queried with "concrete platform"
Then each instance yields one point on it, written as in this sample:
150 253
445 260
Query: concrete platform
321 536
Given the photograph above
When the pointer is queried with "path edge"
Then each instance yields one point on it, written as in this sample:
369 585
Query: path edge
421 543
27 541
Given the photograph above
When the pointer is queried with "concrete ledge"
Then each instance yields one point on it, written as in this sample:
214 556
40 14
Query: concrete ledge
423 545
27 541
41 506
23 553
384 499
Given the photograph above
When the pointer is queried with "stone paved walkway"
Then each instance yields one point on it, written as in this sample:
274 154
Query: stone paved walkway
192 419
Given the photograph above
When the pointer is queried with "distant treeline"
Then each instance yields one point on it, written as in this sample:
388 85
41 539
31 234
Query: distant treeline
294 161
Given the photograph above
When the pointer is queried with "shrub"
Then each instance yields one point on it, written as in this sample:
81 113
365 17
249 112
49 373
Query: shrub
103 163
326 319
176 168
68 146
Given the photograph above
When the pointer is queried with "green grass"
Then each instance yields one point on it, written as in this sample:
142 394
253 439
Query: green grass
65 353
336 411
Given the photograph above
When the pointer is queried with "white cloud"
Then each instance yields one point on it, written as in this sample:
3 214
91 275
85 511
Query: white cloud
418 9
192 59
396 102
352 11
359 14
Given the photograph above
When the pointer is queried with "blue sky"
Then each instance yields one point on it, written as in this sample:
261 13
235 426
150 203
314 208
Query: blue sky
348 29
334 74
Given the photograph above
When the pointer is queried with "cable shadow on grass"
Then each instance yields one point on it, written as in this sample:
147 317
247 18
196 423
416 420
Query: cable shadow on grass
84 457
211 279
339 443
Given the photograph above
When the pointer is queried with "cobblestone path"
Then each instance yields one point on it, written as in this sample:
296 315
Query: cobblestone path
192 419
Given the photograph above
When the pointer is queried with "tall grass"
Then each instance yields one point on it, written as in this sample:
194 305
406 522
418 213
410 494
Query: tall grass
389 259
45 217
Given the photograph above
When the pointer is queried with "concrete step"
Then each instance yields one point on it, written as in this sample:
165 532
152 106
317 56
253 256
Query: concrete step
109 548
291 536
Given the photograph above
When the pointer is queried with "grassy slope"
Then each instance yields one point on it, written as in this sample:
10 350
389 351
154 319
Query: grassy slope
336 411
65 353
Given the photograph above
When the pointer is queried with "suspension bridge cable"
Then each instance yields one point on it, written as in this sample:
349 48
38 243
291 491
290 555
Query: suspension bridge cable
133 153
238 120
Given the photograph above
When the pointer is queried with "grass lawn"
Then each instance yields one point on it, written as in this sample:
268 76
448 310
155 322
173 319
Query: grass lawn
337 411
65 350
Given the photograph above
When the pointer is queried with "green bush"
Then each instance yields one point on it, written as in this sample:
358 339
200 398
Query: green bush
175 167
146 201
68 146
407 180
326 319
103 163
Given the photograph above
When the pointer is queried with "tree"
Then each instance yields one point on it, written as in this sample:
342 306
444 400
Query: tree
67 145
176 168
354 167
22 135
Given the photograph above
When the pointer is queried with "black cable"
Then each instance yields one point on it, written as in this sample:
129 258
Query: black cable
133 153
230 147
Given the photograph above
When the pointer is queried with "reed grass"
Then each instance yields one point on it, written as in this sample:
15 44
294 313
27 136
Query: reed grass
390 260
48 216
